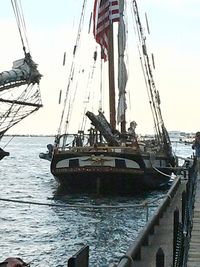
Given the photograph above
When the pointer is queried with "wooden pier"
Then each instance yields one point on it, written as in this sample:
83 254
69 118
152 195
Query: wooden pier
194 247
163 235
161 239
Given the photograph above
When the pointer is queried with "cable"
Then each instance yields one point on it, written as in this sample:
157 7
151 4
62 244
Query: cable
144 204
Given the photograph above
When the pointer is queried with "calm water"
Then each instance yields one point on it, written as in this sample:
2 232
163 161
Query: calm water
49 235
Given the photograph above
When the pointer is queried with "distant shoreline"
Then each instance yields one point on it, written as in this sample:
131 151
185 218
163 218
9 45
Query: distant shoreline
30 135
172 134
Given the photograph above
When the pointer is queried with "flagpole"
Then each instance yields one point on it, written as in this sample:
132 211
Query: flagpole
111 73
105 13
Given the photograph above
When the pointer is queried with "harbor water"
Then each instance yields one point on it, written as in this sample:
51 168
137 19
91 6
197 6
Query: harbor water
46 227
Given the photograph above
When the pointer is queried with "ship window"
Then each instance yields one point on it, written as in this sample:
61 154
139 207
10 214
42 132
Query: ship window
120 163
73 163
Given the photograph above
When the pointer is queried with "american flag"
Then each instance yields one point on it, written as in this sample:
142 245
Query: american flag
105 12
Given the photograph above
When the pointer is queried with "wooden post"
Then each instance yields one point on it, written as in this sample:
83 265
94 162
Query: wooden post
160 258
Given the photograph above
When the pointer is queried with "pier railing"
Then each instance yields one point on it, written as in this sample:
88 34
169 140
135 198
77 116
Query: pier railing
182 226
134 252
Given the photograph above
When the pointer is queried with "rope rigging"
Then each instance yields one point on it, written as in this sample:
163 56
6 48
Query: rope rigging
18 11
71 74
88 92
148 75
162 134
143 70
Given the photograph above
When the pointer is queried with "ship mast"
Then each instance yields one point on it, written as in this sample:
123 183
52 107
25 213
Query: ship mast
111 74
122 71
106 12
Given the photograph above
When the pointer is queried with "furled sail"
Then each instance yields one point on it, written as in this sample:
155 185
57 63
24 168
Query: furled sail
19 92
122 72
24 71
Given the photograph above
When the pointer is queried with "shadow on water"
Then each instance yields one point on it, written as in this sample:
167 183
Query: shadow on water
108 224
60 192
94 201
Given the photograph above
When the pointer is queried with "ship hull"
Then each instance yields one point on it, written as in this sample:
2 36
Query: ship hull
108 173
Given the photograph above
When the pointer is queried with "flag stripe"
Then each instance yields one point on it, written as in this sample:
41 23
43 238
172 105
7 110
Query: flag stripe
105 12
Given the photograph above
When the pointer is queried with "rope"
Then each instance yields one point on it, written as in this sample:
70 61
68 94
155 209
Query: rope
9 141
71 74
167 175
24 25
189 159
20 22
144 204
164 174
87 98
148 75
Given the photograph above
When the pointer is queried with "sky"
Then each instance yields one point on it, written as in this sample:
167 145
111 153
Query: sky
51 26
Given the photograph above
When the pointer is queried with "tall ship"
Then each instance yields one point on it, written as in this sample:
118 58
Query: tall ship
19 87
105 155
